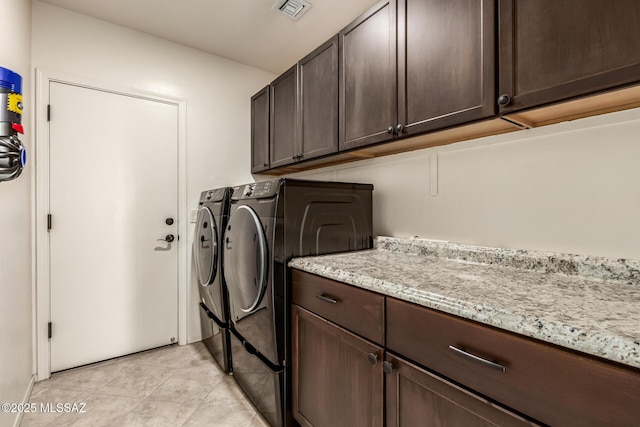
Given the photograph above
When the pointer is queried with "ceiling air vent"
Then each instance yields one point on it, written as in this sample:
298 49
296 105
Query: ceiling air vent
292 9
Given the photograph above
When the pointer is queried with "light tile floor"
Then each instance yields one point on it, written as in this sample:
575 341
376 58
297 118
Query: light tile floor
170 386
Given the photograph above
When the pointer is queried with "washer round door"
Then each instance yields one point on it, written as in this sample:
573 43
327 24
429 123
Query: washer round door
205 247
245 259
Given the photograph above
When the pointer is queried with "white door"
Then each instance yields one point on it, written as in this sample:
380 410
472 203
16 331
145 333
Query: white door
113 188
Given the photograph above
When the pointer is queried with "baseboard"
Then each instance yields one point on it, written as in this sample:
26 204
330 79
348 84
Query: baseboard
25 399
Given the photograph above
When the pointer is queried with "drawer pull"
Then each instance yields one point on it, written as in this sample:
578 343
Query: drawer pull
327 299
485 362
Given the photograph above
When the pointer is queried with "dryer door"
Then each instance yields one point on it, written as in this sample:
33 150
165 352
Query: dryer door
205 247
245 259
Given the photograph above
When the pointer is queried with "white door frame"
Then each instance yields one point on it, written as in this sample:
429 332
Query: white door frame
40 209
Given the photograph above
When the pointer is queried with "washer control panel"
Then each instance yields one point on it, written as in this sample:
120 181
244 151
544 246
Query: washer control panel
212 195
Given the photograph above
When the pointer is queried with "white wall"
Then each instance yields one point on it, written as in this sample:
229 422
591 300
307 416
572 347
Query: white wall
217 92
16 367
573 187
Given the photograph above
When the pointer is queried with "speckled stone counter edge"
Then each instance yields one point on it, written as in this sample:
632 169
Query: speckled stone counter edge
595 342
600 268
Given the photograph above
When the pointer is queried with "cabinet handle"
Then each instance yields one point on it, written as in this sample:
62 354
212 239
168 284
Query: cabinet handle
327 299
504 100
265 164
485 362
390 130
373 358
387 367
399 128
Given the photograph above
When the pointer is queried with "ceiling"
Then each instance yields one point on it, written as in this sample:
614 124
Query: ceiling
246 31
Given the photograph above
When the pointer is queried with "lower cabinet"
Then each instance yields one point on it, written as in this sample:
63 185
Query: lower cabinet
337 376
553 385
360 358
338 380
415 397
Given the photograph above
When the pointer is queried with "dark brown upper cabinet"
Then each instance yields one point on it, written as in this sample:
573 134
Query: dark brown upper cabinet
260 131
284 107
438 72
304 108
368 96
318 102
446 57
554 50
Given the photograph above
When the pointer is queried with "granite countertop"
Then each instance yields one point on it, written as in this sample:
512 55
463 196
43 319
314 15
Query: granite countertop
588 304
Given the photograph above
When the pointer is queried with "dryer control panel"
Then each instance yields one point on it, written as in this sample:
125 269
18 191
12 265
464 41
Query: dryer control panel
256 190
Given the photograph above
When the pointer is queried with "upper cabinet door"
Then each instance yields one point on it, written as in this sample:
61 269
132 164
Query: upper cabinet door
260 131
368 95
553 50
284 106
318 91
445 63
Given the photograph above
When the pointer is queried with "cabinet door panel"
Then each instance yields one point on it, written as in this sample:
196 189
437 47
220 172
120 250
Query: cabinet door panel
416 397
319 101
334 383
368 96
260 131
445 62
284 98
553 50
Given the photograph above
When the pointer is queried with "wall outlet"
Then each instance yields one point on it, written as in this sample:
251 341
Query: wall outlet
193 215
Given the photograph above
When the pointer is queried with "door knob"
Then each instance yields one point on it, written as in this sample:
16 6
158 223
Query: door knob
169 221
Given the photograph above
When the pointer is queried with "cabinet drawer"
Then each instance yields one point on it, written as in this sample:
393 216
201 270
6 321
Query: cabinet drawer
558 387
355 309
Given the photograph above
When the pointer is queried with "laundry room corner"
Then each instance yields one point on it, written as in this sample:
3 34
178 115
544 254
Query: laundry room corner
16 369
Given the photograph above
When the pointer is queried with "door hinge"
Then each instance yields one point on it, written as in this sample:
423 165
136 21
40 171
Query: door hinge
49 330
49 220
48 112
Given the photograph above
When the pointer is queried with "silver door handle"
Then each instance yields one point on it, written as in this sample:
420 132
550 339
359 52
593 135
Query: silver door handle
168 238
